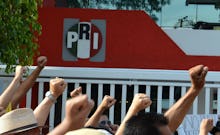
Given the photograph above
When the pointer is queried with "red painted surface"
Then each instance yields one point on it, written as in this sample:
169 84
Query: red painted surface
133 40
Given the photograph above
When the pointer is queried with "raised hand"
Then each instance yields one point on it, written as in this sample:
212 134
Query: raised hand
76 92
107 102
41 61
206 126
77 111
197 75
19 71
57 86
140 102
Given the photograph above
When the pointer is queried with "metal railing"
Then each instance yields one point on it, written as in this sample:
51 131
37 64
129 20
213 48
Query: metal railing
164 87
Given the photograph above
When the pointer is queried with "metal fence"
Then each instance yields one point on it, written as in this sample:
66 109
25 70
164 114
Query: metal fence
164 87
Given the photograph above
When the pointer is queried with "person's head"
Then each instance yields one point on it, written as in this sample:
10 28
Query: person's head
19 121
104 122
103 117
147 123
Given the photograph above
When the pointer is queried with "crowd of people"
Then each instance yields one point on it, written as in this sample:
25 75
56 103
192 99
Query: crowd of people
25 121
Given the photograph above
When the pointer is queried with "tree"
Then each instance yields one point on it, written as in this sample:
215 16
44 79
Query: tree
150 6
19 31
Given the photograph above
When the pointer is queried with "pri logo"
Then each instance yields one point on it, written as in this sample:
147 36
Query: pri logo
84 40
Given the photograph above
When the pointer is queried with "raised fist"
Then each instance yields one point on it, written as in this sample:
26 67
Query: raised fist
77 111
140 102
197 75
41 61
76 92
57 86
206 125
19 71
107 102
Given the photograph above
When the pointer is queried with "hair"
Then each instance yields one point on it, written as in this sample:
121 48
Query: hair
145 124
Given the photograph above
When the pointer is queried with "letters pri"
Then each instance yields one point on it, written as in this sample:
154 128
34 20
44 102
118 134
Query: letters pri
84 40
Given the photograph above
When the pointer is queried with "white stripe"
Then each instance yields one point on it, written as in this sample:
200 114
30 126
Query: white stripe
183 91
51 117
194 42
100 93
195 106
218 101
111 111
40 92
88 90
95 40
148 94
207 100
76 85
28 98
171 96
64 98
159 99
123 101
135 89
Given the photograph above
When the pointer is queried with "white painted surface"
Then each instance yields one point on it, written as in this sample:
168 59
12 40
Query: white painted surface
196 42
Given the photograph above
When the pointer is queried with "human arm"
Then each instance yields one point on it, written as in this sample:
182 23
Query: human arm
28 83
140 102
41 112
77 110
107 102
8 93
206 126
2 111
177 112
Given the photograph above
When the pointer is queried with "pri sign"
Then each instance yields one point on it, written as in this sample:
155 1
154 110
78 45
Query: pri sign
84 40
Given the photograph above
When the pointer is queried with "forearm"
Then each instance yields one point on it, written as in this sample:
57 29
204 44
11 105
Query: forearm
25 86
94 119
42 111
203 132
7 95
177 112
62 128
66 126
131 112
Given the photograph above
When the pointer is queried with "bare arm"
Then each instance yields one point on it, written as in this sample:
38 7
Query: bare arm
140 102
107 102
41 112
28 83
8 93
2 111
177 112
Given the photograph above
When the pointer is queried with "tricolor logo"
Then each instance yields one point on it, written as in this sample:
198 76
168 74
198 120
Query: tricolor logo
84 40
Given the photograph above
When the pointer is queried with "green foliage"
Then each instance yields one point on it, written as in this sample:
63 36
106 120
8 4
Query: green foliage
150 6
19 31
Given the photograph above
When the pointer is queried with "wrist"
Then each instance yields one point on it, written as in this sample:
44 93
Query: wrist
194 91
203 131
50 95
132 111
17 78
70 124
40 67
101 109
